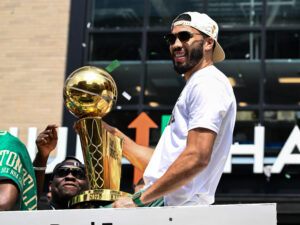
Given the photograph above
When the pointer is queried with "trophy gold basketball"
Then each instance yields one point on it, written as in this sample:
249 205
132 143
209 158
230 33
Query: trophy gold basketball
89 94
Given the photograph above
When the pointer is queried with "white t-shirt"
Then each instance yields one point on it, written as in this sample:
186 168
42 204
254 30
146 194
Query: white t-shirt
207 101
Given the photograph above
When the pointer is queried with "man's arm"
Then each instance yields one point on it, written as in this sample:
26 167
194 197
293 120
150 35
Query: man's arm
8 194
137 154
190 162
46 142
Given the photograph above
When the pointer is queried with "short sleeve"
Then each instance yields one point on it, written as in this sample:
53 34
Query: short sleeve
11 167
207 106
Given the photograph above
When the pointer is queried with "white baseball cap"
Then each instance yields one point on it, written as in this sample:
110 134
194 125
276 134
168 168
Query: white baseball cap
205 24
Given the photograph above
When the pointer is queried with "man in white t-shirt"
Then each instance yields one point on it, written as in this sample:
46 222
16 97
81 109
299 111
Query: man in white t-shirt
188 161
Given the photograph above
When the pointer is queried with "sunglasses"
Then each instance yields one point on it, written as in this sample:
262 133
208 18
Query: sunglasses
76 172
183 36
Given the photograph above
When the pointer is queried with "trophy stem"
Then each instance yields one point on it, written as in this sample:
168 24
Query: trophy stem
102 153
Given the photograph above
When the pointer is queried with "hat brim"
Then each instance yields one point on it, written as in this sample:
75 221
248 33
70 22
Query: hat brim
218 54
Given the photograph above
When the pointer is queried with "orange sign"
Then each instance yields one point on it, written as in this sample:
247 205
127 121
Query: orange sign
142 123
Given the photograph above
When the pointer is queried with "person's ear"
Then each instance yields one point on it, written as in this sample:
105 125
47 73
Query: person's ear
209 44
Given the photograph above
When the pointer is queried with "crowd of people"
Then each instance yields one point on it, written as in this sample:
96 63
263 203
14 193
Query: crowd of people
187 163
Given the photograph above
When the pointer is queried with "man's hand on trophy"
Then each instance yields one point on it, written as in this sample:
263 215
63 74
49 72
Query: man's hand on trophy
47 140
124 202
109 128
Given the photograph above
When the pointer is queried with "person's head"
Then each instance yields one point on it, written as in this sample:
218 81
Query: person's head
193 40
68 179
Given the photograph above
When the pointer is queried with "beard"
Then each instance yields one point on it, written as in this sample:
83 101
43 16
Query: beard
196 54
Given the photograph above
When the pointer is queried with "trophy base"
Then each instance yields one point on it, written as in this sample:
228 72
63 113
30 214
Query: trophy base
95 198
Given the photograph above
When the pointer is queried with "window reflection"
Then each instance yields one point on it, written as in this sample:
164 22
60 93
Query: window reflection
111 46
285 13
163 12
127 78
244 77
121 120
163 85
246 116
157 48
232 13
278 127
281 83
244 127
117 13
283 44
240 45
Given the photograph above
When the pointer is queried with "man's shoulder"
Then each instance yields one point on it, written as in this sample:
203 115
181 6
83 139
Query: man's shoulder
211 75
13 155
5 136
207 77
214 73
207 74
11 143
3 132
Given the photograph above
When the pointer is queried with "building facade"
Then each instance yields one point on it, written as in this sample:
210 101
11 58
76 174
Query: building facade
33 50
42 42
261 40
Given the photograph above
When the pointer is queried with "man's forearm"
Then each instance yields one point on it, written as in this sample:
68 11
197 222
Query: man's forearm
189 163
185 168
40 161
137 154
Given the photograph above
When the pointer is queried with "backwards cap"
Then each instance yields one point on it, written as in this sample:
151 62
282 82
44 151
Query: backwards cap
205 24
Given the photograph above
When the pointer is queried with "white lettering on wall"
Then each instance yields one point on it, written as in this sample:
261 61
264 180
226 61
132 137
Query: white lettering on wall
255 150
285 156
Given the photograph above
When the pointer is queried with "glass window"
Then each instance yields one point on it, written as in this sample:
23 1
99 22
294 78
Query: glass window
117 13
283 44
163 85
240 45
157 48
244 127
283 13
128 92
111 46
127 178
278 127
282 82
232 13
244 77
163 12
121 120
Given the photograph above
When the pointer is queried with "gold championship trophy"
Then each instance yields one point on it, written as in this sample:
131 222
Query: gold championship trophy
90 93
